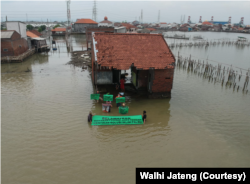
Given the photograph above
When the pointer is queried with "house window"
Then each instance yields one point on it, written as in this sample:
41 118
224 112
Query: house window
5 50
20 46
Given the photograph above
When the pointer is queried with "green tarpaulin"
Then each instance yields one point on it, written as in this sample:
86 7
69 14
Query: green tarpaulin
107 97
123 110
120 99
116 120
94 96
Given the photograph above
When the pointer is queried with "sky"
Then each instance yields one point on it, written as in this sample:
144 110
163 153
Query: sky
170 11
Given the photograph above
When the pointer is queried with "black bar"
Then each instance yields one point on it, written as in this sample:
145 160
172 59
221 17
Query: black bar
170 175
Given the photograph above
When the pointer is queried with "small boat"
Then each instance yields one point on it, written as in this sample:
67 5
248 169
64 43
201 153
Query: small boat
54 48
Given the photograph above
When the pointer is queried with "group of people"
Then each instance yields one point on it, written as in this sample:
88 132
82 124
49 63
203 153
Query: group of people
108 105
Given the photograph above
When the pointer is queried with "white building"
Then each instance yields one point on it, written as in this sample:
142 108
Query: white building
163 24
120 29
17 26
105 23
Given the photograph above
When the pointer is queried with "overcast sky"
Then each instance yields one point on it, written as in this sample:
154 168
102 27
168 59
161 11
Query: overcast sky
170 11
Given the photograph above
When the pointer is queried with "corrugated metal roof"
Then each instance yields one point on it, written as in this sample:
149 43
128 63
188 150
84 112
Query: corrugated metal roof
6 34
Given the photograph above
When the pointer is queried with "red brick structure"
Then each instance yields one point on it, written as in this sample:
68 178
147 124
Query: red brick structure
12 44
89 31
129 27
148 55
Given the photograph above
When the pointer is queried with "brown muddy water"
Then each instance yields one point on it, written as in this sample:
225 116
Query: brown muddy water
46 137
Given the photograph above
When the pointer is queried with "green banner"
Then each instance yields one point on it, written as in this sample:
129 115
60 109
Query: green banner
94 96
123 110
120 99
116 120
107 97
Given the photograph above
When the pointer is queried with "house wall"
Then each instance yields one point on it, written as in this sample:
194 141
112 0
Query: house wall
18 27
121 30
162 81
20 50
82 27
142 79
6 44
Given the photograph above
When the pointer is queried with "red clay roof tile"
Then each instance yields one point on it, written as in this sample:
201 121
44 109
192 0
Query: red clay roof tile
59 29
85 21
31 35
121 50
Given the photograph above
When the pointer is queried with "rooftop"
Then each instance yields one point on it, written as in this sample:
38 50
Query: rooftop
31 35
151 29
59 29
121 50
6 34
85 21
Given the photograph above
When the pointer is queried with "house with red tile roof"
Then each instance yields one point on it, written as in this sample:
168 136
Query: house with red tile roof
148 56
81 25
34 41
151 29
105 23
58 31
163 24
129 27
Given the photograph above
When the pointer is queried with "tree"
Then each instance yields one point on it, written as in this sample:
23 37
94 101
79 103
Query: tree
43 27
29 27
56 26
39 29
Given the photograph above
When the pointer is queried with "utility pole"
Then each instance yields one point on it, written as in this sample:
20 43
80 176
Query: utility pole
6 18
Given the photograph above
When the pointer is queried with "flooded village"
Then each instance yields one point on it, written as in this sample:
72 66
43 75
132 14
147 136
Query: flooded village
189 81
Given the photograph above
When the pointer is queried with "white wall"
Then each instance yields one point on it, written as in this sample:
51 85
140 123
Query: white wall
18 27
105 24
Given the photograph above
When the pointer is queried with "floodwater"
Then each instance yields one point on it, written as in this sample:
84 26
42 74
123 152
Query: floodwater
46 137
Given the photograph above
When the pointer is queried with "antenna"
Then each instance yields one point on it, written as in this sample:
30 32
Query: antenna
159 16
94 11
200 20
141 16
242 20
229 21
68 12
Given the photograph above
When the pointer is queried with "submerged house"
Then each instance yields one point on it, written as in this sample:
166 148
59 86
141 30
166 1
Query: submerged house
81 25
12 44
147 55
36 42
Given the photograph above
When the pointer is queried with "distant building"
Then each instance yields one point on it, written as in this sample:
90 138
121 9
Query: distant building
58 31
129 27
18 26
219 22
81 25
163 25
121 29
147 55
105 23
135 23
12 44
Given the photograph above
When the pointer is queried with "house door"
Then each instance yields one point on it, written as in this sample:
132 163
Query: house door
116 76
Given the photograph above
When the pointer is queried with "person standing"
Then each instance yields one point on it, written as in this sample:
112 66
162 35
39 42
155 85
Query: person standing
118 104
122 82
144 117
90 117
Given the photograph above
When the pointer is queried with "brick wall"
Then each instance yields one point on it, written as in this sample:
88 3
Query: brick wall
163 80
20 50
6 44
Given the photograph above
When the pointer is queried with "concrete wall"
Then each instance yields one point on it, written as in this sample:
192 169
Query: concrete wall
18 27
82 27
121 30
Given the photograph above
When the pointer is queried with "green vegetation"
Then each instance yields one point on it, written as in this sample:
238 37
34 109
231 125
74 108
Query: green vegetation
56 26
29 27
41 28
